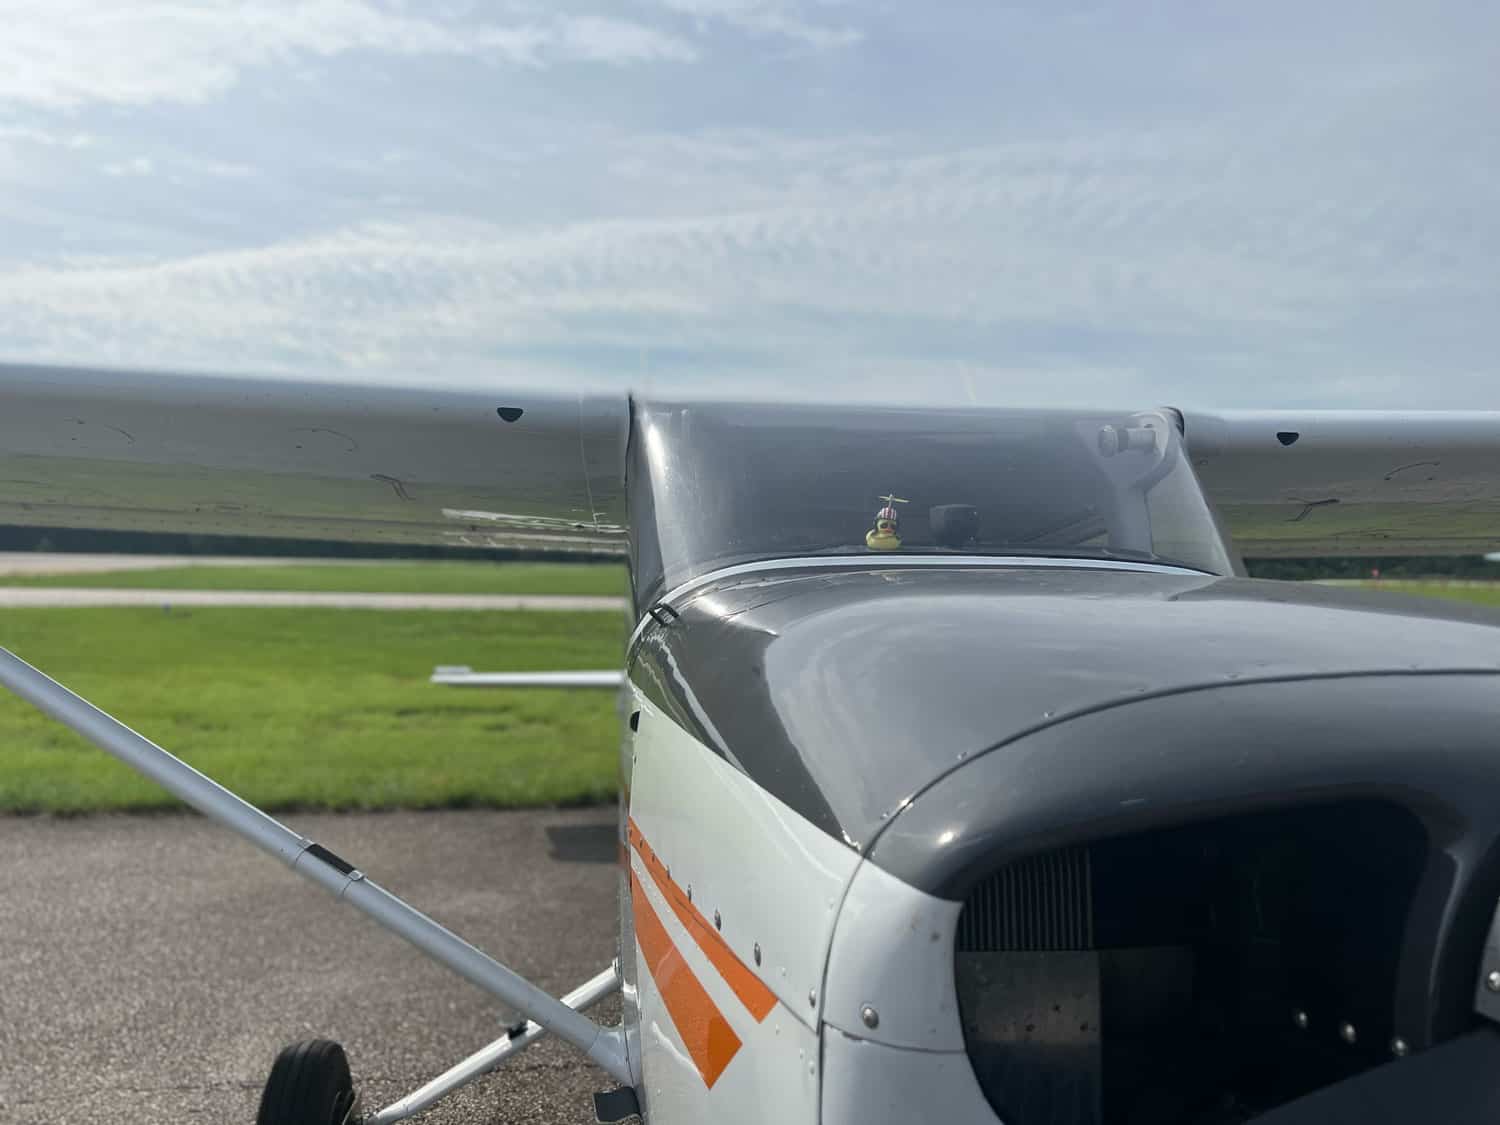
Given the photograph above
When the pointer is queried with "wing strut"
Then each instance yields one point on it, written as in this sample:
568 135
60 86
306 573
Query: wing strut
461 675
605 1046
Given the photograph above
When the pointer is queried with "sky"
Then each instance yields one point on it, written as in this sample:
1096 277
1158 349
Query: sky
1162 201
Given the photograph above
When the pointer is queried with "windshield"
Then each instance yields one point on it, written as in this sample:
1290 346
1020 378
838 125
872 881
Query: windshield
714 485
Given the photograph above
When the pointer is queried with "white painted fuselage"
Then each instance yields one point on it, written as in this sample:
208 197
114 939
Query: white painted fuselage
758 951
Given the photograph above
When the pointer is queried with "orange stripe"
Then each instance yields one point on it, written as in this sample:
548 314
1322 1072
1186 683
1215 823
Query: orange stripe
752 992
705 1032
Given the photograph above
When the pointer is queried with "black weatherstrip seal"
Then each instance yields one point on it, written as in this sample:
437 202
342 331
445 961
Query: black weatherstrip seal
342 866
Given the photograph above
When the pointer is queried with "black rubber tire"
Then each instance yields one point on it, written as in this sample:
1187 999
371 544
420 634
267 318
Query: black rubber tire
309 1085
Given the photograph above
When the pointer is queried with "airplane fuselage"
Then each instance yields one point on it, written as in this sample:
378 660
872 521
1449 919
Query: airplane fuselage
885 820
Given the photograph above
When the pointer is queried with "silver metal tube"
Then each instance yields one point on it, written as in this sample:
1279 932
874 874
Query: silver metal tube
109 734
453 678
483 1061
603 1046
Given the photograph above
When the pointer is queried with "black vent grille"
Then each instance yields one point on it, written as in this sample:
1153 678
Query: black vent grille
1040 903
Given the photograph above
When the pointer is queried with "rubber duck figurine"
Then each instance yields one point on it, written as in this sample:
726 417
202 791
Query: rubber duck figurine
883 536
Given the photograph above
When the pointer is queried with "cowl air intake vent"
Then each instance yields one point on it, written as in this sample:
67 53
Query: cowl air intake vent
1044 902
1192 975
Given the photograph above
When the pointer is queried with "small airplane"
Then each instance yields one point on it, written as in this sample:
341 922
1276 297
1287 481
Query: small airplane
964 777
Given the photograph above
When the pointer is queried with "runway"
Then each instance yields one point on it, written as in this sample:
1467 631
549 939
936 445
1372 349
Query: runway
74 597
153 966
43 562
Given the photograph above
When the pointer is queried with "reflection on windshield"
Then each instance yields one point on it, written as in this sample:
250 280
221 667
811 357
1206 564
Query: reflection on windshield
719 484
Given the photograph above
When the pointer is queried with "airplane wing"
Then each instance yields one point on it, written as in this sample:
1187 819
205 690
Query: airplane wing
1351 482
372 462
510 467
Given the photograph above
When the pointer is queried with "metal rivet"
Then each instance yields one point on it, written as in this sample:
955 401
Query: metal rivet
1347 1033
757 953
1399 1047
812 997
870 1016
1300 1019
718 922
1492 982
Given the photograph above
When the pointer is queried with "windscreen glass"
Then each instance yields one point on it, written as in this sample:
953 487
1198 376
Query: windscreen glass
721 484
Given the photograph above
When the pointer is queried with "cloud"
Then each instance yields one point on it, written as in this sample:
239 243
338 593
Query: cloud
71 53
135 166
866 260
779 18
1178 210
12 134
594 39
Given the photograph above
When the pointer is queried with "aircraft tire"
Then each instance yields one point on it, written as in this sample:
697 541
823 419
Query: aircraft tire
309 1085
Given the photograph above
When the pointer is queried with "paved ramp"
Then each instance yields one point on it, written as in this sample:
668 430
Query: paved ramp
154 965
41 562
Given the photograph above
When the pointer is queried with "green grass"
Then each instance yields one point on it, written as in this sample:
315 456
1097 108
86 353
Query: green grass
374 578
1488 595
314 708
331 708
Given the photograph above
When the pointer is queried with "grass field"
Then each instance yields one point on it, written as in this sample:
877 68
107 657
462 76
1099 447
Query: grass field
373 578
1487 595
315 708
331 708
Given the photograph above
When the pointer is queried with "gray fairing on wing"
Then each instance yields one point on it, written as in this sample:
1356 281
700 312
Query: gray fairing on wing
845 694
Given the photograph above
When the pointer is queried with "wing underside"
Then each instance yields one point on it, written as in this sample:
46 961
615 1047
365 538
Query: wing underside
238 456
1351 482
500 466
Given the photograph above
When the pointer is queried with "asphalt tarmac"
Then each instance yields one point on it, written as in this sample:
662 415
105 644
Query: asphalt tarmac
151 967
39 562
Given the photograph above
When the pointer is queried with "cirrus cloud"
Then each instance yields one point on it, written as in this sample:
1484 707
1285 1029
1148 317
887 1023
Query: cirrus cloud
70 53
1184 204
